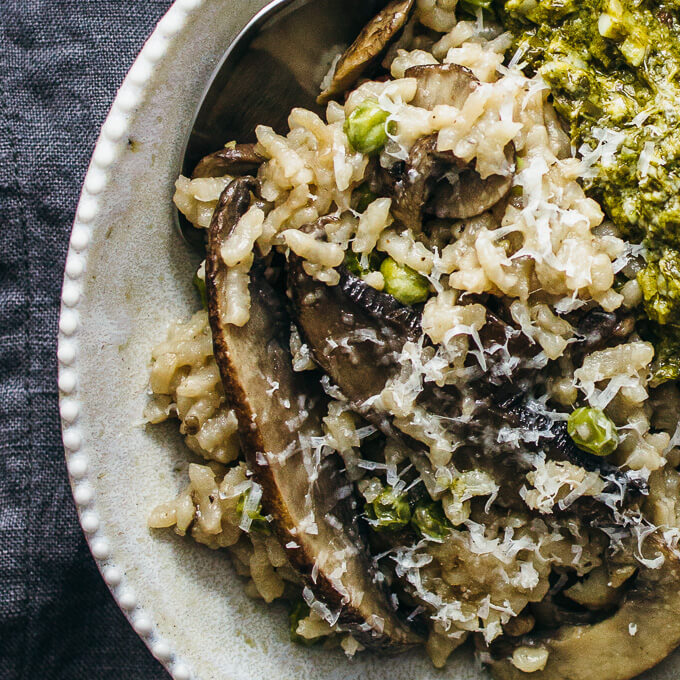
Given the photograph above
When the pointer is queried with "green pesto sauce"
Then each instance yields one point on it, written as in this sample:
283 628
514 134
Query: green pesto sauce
613 67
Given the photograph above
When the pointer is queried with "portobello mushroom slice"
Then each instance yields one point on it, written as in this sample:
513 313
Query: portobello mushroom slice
438 183
598 329
424 168
357 352
549 613
367 49
278 412
643 631
509 406
240 159
448 84
356 334
468 194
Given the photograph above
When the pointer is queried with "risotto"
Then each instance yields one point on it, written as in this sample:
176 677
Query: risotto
432 388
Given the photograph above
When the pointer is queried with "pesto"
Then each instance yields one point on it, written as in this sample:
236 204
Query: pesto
666 365
660 283
613 68
614 65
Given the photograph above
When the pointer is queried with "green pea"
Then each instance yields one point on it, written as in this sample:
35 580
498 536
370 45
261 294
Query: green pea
430 520
258 523
592 431
366 127
404 283
470 7
389 511
299 611
199 284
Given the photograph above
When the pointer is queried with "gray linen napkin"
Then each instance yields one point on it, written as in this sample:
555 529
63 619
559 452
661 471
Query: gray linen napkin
60 64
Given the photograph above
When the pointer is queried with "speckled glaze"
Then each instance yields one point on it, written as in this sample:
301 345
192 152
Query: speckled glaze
127 276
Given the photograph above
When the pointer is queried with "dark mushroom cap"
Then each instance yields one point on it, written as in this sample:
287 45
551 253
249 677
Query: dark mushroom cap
437 182
278 411
240 159
368 47
440 184
469 195
356 334
448 84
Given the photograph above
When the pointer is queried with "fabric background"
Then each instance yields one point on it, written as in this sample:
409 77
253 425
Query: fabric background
61 62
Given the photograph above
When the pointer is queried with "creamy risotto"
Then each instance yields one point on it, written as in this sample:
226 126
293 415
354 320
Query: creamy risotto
470 407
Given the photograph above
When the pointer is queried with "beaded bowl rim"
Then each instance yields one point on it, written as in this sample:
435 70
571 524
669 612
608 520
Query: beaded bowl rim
130 95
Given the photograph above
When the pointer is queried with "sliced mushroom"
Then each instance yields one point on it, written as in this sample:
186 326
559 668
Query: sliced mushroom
278 411
356 334
643 631
467 194
598 590
548 613
424 168
438 183
367 49
599 329
447 84
339 322
560 446
240 159
520 625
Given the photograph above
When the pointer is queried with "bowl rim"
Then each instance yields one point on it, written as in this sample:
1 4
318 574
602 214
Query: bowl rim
111 140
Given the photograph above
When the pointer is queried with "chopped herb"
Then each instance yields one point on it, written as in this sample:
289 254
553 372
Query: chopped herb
199 284
389 511
300 610
259 523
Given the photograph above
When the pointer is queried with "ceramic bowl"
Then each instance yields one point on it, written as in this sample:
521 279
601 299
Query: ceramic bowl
128 275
